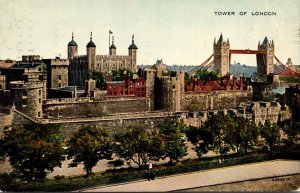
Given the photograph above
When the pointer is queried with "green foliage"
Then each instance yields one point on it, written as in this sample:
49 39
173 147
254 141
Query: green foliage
89 145
172 132
205 75
243 134
219 125
201 138
139 145
118 75
33 150
187 76
271 133
115 163
291 129
289 79
100 80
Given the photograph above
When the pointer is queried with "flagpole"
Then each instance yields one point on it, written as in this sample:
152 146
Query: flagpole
109 39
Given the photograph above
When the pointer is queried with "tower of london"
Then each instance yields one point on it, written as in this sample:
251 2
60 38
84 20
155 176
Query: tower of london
82 66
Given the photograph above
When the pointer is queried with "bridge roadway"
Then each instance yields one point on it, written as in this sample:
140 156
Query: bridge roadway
230 174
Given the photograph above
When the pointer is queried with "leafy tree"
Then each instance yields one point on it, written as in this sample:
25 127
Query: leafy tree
139 145
89 145
33 150
243 134
291 129
100 80
219 125
172 132
271 133
201 138
187 76
118 75
205 75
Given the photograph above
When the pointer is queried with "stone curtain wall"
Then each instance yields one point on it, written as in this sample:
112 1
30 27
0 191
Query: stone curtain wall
214 100
96 108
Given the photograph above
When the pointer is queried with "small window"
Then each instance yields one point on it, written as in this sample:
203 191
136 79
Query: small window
24 103
59 84
39 114
40 100
25 77
40 92
59 77
24 93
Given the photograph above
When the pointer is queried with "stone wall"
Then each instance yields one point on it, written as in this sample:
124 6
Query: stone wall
217 100
94 108
113 125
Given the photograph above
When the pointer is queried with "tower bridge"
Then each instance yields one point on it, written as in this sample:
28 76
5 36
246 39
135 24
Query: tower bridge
220 60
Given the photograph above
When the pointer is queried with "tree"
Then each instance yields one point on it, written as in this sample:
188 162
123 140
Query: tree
139 145
205 75
201 138
100 81
172 132
243 134
291 129
271 133
219 125
33 150
89 145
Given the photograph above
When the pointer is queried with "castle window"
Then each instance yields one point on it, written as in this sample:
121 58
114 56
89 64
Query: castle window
138 84
24 103
39 114
41 77
109 87
24 93
40 100
40 92
59 77
59 84
25 77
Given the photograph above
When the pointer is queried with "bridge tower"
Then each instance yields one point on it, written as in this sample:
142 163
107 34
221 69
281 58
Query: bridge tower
265 64
221 56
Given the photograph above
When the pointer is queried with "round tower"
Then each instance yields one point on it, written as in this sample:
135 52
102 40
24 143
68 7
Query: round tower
27 97
72 48
91 55
132 50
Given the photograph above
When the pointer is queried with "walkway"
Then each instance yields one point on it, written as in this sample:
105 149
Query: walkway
208 177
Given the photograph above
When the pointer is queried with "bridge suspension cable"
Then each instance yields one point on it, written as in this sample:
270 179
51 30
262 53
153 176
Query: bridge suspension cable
204 65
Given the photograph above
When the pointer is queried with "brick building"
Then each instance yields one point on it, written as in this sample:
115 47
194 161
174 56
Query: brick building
127 88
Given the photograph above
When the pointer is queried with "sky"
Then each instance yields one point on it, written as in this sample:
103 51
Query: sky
180 32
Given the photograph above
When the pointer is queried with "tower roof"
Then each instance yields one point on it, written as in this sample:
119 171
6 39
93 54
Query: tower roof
133 46
72 42
91 43
112 44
